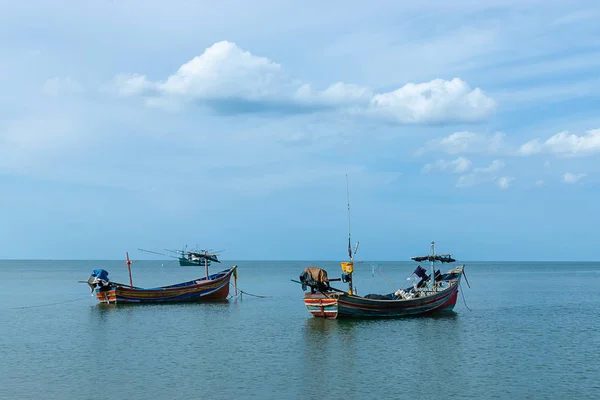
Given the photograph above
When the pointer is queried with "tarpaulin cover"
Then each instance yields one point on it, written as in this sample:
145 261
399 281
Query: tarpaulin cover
100 274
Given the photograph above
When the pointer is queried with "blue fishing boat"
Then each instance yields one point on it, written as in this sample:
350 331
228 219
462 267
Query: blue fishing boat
423 294
210 287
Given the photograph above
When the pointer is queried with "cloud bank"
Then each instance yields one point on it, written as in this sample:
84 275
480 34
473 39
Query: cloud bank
565 144
230 80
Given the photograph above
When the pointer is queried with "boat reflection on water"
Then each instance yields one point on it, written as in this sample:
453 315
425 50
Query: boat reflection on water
327 344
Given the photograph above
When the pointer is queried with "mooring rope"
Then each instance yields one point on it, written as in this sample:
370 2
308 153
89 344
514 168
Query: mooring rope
249 294
49 304
255 295
463 297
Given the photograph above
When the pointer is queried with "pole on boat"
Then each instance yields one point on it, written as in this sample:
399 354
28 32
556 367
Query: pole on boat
348 267
206 263
432 281
128 262
235 278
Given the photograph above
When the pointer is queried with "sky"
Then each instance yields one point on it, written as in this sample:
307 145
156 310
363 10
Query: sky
128 124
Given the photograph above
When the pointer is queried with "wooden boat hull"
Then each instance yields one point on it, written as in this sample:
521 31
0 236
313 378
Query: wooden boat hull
216 287
333 305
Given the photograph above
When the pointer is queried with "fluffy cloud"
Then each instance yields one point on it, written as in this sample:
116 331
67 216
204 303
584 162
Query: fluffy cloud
571 178
565 144
494 166
466 143
458 166
230 80
435 101
483 175
504 182
561 144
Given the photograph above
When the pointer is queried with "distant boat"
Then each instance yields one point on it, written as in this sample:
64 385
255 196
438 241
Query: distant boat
195 257
425 295
210 287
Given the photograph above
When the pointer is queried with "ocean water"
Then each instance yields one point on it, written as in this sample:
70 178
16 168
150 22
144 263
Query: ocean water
523 330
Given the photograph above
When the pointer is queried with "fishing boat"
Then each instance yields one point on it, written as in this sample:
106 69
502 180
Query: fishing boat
190 258
423 294
197 257
210 287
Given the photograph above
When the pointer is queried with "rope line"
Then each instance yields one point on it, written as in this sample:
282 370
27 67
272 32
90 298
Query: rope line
463 297
249 294
255 295
49 304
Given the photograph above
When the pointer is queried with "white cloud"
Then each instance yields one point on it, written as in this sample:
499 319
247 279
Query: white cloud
494 166
434 101
231 80
466 181
531 147
459 165
57 86
571 178
539 183
483 175
338 93
565 144
504 182
466 143
132 84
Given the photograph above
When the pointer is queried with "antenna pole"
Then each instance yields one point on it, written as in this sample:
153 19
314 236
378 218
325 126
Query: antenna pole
129 268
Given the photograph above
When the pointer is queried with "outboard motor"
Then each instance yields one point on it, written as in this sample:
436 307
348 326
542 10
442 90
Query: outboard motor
98 278
315 278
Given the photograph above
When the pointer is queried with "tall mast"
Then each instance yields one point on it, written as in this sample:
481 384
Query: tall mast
349 243
128 262
432 280
348 267
206 262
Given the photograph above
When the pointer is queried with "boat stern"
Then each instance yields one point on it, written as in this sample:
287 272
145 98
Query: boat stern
107 296
98 279
101 284
321 306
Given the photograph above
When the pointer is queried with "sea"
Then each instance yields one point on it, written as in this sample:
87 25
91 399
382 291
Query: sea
520 330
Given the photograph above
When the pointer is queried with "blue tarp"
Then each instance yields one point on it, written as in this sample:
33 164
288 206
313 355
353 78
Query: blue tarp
100 274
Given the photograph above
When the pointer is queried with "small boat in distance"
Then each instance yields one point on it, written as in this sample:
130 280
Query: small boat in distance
199 257
211 287
426 294
192 257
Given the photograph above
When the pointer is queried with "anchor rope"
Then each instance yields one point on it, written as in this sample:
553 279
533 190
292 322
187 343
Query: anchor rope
255 295
49 304
249 294
463 297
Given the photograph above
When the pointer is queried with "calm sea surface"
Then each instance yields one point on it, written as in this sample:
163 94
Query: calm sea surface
533 332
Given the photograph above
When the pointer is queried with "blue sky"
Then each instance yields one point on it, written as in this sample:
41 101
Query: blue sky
129 124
